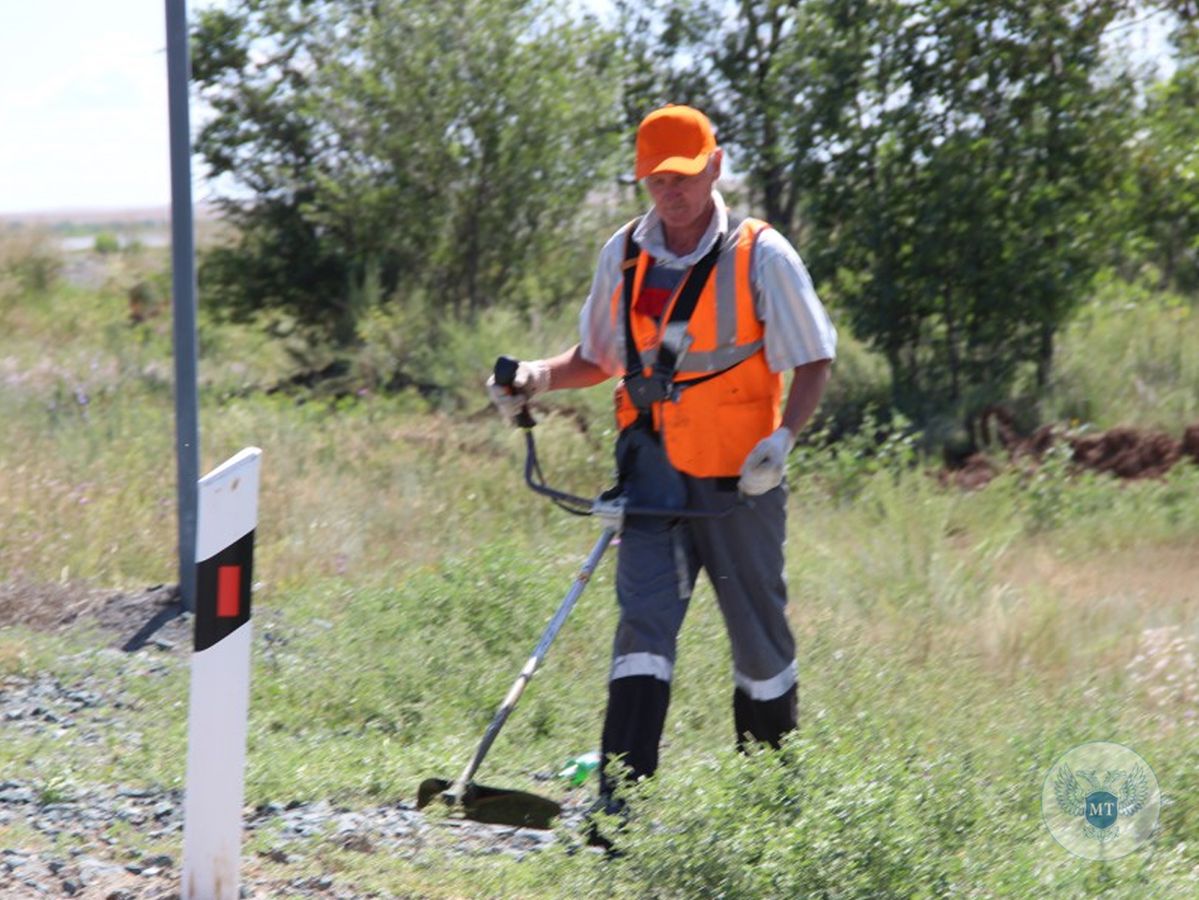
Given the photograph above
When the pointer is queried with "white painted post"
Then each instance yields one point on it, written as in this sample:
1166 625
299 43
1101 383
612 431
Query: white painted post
220 682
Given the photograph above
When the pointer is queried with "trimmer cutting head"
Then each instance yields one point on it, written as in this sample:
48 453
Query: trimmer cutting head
493 806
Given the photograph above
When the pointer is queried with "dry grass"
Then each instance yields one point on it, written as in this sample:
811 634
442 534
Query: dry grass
1071 616
1151 580
942 574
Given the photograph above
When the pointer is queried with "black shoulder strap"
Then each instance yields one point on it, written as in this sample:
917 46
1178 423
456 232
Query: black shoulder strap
646 389
629 269
684 306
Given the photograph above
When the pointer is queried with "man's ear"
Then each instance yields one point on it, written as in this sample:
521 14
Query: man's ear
715 162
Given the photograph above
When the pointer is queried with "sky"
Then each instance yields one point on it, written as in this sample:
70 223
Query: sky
83 105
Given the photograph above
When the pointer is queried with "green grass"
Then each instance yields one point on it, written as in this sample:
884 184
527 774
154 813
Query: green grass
952 644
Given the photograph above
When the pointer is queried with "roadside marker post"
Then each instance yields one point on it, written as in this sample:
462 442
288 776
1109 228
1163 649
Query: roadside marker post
219 702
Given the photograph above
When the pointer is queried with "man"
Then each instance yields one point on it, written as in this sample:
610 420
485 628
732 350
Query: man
707 387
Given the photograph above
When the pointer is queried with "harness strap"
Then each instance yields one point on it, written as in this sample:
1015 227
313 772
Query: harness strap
629 267
645 391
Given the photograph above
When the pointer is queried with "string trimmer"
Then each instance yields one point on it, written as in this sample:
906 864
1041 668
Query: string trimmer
503 806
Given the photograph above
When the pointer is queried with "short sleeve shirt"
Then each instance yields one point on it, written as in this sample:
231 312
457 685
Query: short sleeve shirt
796 326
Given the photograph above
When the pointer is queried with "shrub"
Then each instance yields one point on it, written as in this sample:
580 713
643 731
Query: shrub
861 381
107 243
30 263
843 465
805 822
1128 358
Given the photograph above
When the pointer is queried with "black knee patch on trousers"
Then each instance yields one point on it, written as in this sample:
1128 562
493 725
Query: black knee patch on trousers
765 720
633 726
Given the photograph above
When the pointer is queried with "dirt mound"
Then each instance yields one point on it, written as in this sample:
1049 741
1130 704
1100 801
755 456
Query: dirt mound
1124 452
976 471
1190 443
1127 452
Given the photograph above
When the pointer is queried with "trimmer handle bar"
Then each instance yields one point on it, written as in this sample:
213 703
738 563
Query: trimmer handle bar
505 374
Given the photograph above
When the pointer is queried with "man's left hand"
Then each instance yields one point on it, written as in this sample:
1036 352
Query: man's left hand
766 463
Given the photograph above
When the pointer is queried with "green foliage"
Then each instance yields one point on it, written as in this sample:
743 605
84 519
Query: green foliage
417 347
953 173
844 464
1159 200
936 687
398 154
1049 494
951 643
945 187
861 383
970 203
801 823
1127 358
106 242
57 789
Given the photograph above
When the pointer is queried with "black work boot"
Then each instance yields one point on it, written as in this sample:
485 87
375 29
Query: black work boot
611 806
765 721
632 731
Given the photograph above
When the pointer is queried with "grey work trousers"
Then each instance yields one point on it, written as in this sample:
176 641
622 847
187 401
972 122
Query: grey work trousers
742 553
656 569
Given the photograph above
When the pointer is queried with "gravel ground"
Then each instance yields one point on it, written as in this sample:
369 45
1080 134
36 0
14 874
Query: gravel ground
95 864
97 867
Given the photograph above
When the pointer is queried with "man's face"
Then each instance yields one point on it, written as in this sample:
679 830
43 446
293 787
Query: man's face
682 199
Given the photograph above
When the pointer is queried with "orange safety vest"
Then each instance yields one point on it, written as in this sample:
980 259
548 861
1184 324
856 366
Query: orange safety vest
709 428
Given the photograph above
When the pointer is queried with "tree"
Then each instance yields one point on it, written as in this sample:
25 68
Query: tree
937 161
966 185
1162 193
383 151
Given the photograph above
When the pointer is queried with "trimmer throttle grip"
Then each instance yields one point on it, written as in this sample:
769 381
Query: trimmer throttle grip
505 375
505 371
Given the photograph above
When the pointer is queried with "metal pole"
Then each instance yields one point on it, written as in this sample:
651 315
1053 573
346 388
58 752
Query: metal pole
183 297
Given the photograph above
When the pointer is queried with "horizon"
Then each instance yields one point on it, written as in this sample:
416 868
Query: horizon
102 215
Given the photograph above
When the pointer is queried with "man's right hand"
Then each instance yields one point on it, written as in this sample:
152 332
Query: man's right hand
532 378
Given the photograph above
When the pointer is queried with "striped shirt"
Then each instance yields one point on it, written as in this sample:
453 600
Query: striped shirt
797 327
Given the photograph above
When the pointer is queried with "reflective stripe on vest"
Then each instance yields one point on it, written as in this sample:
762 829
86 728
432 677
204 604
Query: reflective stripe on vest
708 429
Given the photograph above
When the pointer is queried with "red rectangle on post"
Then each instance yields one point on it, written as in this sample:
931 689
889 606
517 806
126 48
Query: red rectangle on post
228 592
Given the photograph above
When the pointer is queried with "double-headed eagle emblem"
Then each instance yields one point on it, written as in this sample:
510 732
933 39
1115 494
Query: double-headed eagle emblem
1100 801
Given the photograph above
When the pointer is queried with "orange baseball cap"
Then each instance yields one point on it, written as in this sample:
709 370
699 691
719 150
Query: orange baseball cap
674 139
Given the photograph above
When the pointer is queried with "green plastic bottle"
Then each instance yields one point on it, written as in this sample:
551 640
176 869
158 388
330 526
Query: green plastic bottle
577 769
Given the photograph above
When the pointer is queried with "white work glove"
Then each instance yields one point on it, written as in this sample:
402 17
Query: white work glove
764 466
532 378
